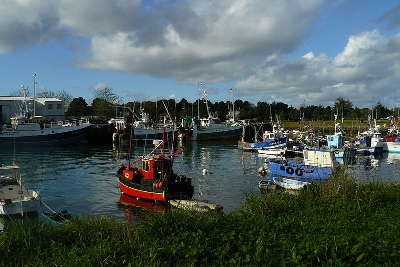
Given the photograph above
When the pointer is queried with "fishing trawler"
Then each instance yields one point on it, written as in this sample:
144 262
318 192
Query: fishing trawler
206 129
317 167
30 130
154 178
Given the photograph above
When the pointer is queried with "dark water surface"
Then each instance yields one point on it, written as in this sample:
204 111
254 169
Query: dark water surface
82 178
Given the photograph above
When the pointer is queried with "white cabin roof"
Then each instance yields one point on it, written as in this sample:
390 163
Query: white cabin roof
28 98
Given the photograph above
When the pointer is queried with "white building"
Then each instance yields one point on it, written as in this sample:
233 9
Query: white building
50 108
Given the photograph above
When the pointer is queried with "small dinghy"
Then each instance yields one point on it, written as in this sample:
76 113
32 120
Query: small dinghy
58 217
195 205
291 184
266 185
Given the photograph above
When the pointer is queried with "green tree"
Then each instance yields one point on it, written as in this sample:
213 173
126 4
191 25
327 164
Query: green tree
78 107
101 107
381 111
344 107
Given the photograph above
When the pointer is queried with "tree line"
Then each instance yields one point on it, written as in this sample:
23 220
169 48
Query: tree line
107 104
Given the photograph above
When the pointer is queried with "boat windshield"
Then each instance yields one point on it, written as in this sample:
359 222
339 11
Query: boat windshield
9 172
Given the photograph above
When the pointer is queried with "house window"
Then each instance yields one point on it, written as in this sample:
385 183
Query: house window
50 106
59 106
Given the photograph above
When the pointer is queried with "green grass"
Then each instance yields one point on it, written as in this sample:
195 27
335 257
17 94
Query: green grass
338 223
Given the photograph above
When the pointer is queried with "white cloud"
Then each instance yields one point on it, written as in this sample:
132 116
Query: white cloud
205 39
366 71
100 86
187 40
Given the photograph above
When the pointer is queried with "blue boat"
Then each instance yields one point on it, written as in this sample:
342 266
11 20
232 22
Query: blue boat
317 168
336 144
276 139
299 171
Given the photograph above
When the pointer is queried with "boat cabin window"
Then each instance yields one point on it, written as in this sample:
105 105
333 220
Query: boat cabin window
146 165
163 167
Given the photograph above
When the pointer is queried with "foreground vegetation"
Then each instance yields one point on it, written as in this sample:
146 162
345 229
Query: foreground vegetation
338 223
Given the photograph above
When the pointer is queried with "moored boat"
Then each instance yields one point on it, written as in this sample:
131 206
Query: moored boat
392 147
35 130
316 168
287 183
15 199
207 129
154 180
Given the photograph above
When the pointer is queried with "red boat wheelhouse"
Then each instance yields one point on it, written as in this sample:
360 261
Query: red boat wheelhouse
155 180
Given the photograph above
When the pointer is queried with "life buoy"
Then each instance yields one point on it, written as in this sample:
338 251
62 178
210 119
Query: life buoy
299 172
289 170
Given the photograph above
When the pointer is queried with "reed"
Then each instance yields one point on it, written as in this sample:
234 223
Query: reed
341 222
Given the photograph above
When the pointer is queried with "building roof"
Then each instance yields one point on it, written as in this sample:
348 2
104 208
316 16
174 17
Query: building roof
22 98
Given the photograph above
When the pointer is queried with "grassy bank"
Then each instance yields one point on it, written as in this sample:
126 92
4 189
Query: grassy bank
338 223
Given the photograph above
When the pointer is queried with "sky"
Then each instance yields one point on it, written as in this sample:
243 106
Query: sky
295 51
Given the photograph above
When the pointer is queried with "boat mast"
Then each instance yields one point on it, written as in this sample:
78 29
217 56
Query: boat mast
34 93
200 86
233 103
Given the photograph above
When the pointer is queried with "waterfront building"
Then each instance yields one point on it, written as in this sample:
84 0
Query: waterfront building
50 108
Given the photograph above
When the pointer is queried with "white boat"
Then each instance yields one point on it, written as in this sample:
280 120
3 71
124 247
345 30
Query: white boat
195 205
392 147
278 151
288 183
266 185
208 129
143 129
15 199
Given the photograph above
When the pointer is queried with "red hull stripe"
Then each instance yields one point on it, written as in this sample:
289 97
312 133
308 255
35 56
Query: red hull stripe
140 193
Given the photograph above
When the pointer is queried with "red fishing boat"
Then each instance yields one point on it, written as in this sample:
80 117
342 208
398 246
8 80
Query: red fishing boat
154 180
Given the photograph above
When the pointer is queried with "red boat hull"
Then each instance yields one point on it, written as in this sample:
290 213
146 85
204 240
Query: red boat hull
140 203
131 190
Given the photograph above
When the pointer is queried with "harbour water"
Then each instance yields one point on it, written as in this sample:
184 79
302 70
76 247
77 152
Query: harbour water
82 178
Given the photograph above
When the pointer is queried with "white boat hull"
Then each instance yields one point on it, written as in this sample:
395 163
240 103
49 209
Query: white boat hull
272 151
19 207
392 147
289 183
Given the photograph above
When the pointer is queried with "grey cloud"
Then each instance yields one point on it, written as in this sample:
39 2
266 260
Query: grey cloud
24 23
366 71
204 39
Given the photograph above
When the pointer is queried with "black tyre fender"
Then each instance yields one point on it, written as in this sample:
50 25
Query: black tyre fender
299 172
289 170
